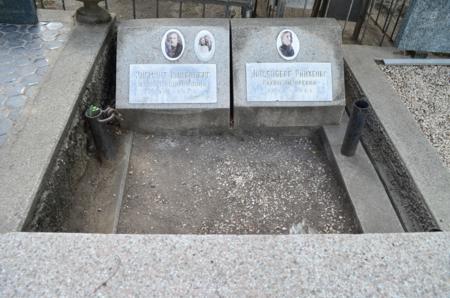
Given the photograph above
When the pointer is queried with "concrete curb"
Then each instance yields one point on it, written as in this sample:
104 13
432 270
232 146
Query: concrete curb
367 194
430 180
26 161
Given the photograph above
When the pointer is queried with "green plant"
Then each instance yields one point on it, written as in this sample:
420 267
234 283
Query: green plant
93 111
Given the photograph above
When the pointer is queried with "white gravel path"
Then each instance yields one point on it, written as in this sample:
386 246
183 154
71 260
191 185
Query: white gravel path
425 90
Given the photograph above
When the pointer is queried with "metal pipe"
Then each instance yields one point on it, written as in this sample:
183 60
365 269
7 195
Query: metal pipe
106 4
64 5
355 127
180 11
102 138
416 61
134 9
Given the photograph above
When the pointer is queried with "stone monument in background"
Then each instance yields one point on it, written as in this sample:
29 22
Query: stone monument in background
426 27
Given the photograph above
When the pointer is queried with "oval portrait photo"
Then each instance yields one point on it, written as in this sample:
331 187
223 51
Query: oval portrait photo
288 44
172 45
205 45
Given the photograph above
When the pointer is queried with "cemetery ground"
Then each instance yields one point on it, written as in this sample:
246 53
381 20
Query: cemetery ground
252 211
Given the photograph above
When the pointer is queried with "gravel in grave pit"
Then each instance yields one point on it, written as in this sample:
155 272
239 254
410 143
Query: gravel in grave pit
425 90
232 185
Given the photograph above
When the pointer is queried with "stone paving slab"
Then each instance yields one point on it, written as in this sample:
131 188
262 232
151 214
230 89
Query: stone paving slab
27 54
369 265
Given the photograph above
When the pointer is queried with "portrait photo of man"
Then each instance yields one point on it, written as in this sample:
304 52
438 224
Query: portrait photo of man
173 43
287 44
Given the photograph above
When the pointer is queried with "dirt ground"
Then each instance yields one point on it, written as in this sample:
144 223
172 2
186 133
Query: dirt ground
232 185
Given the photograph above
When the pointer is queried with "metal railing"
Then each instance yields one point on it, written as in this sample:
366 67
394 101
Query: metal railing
247 7
385 15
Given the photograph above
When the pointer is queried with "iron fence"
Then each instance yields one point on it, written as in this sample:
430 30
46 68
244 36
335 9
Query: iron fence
385 15
247 7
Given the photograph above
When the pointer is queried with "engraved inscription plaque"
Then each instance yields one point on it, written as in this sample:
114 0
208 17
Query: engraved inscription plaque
289 82
168 83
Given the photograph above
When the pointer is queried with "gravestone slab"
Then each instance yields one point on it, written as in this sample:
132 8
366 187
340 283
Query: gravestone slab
279 86
426 27
184 86
18 12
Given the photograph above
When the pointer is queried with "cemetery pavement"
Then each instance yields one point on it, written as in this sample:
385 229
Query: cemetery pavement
27 53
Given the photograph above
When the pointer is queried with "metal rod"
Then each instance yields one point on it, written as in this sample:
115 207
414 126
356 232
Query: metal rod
157 8
326 9
379 10
348 16
106 4
387 21
204 9
369 14
361 19
134 9
355 127
180 10
64 5
304 8
398 18
227 9
416 61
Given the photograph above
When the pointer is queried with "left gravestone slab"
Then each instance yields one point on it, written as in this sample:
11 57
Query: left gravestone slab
173 75
18 12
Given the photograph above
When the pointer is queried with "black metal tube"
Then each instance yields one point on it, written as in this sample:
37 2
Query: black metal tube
355 127
103 140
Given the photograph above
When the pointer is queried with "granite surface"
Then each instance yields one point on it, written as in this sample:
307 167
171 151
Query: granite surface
139 42
425 27
255 41
369 265
27 53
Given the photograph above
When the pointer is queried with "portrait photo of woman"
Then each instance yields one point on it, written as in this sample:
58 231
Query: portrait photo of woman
204 45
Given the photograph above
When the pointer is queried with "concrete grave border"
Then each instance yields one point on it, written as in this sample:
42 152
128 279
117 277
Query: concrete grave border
420 186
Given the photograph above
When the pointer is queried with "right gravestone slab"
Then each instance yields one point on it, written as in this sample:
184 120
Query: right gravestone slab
287 72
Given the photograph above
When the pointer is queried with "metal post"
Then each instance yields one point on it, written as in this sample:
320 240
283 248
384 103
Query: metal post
361 19
326 9
134 9
369 16
64 5
157 8
204 9
348 16
106 4
355 127
387 21
180 10
398 18
304 8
